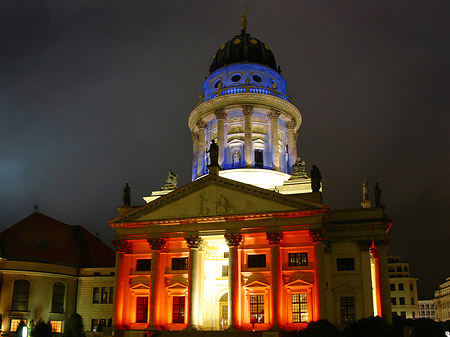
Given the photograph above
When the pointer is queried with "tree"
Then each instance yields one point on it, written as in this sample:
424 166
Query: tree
74 326
42 329
320 328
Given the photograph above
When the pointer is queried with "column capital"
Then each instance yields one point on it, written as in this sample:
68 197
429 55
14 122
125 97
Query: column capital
275 237
220 113
273 114
291 124
193 241
122 246
194 136
201 124
247 110
233 239
156 243
318 235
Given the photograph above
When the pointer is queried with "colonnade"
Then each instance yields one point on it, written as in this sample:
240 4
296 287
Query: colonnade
199 140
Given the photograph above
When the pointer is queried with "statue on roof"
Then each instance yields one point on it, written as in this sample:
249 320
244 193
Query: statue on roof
316 178
365 191
299 168
126 195
378 195
171 181
244 21
213 154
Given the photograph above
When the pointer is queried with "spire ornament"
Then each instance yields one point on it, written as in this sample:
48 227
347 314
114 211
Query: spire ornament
244 21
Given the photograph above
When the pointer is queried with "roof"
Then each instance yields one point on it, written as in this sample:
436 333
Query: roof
243 48
40 238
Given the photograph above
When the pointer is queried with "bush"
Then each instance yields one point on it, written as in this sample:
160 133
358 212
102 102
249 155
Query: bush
74 326
42 329
321 328
372 327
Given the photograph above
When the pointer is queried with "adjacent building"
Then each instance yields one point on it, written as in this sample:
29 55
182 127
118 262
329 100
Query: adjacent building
426 309
249 243
404 298
50 270
442 301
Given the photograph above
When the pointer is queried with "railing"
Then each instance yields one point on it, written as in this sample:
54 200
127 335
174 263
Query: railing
241 90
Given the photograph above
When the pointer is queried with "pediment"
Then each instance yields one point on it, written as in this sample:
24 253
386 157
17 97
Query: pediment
213 196
300 278
299 283
176 285
140 286
256 284
139 281
345 288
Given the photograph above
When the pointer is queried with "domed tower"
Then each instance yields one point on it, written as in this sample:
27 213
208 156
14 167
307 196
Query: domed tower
245 110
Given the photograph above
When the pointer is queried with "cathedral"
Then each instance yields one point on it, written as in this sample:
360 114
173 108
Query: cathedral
248 244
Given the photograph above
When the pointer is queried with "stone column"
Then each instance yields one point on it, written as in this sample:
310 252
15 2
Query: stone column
193 243
318 237
276 280
247 110
201 147
233 241
379 253
221 115
273 115
122 247
364 248
194 154
292 144
156 245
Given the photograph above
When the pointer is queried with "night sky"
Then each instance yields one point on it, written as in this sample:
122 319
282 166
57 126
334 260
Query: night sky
94 94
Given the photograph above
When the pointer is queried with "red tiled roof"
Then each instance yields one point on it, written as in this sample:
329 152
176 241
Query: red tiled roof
39 238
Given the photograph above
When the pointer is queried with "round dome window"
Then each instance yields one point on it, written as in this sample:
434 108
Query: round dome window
257 78
236 78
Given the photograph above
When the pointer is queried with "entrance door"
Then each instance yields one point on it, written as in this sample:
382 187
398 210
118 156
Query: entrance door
223 311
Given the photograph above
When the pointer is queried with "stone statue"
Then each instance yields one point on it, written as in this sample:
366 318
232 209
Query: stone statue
378 195
244 20
236 158
299 167
365 191
213 154
316 179
171 179
126 195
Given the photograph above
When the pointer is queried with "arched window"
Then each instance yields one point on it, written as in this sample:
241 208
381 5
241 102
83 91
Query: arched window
20 295
59 291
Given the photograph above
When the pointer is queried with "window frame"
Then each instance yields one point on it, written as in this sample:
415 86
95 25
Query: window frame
256 304
142 309
302 305
178 316
144 265
298 259
256 261
19 293
347 305
180 263
345 264
59 298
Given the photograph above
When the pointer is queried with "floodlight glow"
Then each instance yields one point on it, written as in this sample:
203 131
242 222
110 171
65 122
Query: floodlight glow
263 178
25 331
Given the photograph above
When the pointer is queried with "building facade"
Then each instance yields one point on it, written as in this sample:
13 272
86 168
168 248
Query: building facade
248 244
403 287
442 301
426 309
48 270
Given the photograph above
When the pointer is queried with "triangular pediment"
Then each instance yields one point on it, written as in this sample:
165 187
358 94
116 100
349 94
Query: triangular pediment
176 285
345 288
299 283
256 284
140 286
214 196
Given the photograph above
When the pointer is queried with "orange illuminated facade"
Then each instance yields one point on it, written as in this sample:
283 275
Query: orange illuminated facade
249 243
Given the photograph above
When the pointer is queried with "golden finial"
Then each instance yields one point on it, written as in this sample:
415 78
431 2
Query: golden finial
244 21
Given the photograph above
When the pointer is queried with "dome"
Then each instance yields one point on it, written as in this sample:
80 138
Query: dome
243 48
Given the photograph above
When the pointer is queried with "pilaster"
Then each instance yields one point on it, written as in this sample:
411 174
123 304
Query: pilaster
233 241
318 237
156 245
247 111
193 243
276 280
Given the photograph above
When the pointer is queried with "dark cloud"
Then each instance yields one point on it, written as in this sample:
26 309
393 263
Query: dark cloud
94 94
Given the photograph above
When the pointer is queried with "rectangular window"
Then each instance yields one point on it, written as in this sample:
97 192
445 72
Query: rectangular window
411 287
299 308
399 268
15 324
345 264
59 291
141 309
298 259
347 309
257 261
94 324
178 308
403 314
392 285
56 326
226 255
144 265
412 300
224 270
257 308
20 295
96 295
180 263
104 294
401 287
402 300
111 294
393 300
